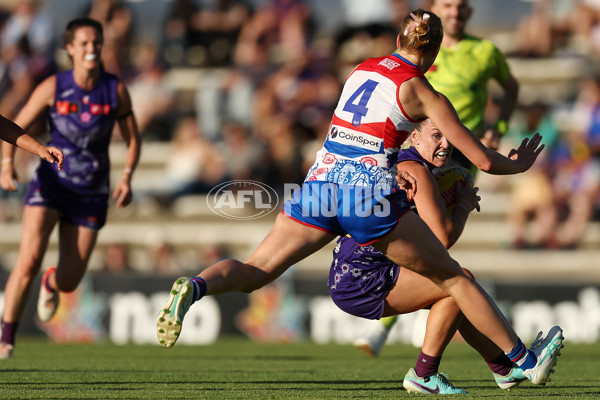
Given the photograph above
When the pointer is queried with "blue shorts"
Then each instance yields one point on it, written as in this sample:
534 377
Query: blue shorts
365 213
360 279
74 208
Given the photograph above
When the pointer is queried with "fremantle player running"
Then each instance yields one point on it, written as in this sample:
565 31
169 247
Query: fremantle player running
82 105
383 100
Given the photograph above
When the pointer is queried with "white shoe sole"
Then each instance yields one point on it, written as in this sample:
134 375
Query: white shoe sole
168 324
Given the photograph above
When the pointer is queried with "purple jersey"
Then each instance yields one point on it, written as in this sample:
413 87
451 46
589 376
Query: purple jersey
360 278
411 154
81 124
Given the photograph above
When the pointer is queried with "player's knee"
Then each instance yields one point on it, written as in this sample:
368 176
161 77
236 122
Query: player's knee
66 287
447 272
66 284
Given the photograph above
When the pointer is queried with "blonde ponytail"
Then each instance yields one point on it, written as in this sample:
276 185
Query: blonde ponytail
421 31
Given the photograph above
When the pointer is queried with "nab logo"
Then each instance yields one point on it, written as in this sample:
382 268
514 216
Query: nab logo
242 200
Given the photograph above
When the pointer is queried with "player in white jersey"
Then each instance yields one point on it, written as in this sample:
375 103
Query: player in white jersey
352 189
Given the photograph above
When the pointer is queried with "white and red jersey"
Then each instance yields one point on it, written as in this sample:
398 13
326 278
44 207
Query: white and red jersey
368 125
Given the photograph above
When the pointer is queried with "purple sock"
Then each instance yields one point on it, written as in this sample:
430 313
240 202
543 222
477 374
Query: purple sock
427 365
9 329
501 365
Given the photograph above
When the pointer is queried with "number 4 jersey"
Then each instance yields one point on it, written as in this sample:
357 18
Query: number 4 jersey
368 125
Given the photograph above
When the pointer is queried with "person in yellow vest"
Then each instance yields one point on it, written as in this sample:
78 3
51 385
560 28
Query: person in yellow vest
462 71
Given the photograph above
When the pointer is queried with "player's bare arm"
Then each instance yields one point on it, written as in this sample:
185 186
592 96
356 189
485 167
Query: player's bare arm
131 136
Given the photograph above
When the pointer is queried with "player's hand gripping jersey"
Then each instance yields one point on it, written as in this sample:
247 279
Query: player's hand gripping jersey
368 125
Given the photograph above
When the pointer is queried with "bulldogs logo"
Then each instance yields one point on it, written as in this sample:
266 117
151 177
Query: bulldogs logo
329 158
334 132
368 160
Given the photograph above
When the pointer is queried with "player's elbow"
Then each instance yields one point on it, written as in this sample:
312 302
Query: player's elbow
484 164
446 241
468 273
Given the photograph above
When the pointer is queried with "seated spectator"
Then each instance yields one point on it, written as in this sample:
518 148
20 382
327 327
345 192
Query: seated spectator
194 165
284 27
576 189
117 20
577 182
532 213
246 157
116 258
27 55
217 27
204 35
177 32
152 98
164 258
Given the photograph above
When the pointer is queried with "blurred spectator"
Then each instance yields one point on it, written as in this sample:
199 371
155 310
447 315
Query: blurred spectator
177 31
216 30
576 188
577 182
203 36
559 26
211 254
194 165
153 99
359 13
163 255
285 142
26 57
116 258
116 19
277 33
246 158
369 30
533 213
284 27
586 113
358 43
165 260
585 23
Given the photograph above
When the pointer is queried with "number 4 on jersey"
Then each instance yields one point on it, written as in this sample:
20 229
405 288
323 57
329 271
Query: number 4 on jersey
363 94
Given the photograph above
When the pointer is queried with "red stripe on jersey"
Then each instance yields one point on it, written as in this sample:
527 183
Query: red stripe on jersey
393 138
398 74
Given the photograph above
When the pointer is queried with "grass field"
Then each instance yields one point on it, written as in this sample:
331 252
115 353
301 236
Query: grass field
236 368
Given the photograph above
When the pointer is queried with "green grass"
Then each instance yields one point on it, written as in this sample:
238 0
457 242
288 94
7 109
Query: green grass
235 368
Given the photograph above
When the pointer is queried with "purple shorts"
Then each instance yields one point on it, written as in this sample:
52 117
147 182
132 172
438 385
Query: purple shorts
364 213
360 279
74 208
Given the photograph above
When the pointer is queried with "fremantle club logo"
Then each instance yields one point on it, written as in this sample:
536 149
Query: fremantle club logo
242 200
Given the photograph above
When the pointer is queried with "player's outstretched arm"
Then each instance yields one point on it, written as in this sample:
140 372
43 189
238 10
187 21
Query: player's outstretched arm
13 134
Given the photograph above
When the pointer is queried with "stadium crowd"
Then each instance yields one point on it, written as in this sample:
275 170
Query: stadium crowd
270 79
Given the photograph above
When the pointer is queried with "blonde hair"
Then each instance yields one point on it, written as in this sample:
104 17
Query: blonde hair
421 31
416 133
